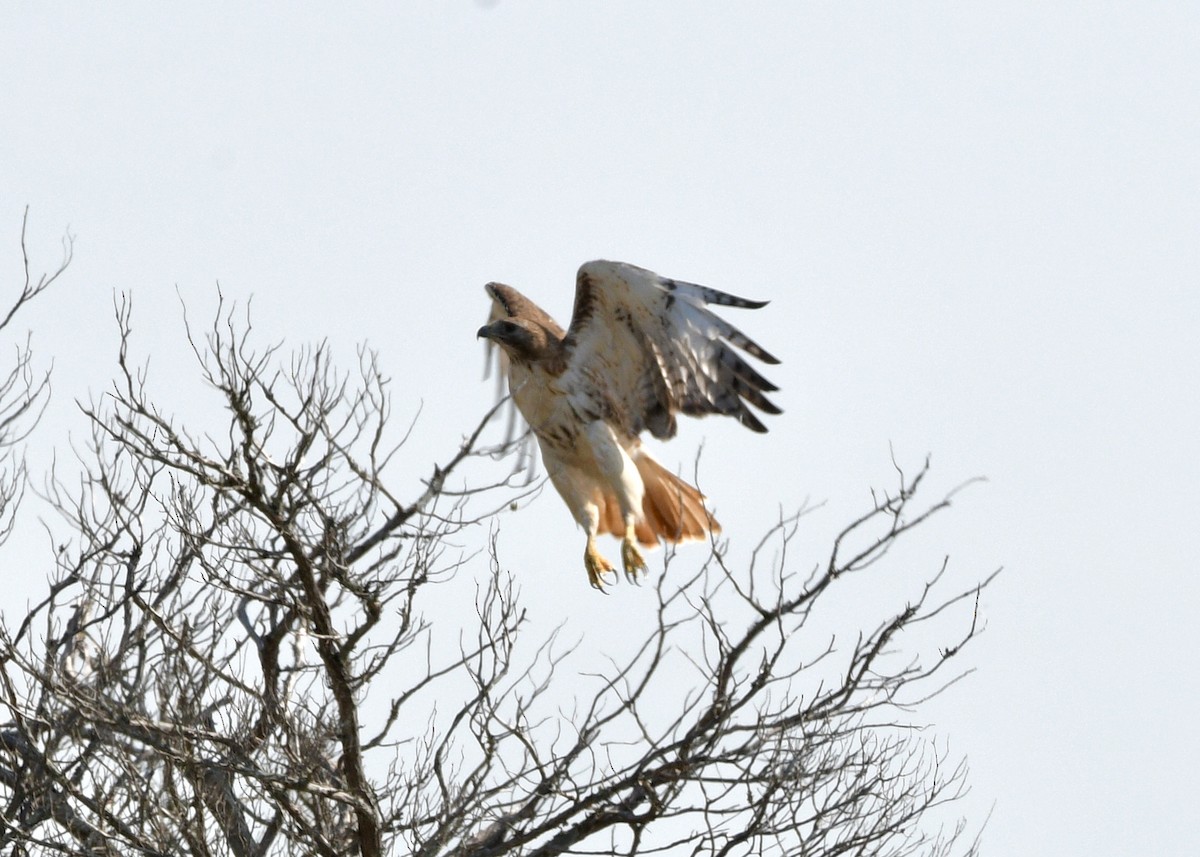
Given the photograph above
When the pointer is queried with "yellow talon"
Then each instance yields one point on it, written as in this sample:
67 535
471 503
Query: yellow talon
596 566
632 559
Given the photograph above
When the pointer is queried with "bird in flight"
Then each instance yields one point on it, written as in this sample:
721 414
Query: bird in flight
640 349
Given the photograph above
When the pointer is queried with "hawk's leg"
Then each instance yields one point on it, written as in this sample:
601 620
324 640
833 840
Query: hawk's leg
596 564
624 484
631 557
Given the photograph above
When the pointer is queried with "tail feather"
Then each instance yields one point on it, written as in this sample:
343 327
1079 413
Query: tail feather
648 526
694 521
610 515
610 521
673 509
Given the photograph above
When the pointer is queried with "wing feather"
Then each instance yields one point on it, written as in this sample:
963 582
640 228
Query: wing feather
507 302
651 348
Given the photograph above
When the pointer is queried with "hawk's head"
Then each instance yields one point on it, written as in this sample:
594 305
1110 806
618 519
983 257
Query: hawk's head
520 338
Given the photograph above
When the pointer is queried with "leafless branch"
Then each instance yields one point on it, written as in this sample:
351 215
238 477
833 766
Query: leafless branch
255 642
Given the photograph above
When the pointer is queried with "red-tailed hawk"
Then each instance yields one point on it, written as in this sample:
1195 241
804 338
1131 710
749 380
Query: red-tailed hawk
640 349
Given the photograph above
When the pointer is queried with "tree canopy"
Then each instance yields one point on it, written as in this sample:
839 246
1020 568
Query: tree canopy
240 650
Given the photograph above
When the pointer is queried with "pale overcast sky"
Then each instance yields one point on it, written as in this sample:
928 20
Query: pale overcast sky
978 225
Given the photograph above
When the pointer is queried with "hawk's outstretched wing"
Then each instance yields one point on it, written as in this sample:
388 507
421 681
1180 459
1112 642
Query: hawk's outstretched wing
649 347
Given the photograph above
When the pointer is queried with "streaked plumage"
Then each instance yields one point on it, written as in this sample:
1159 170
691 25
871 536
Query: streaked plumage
640 349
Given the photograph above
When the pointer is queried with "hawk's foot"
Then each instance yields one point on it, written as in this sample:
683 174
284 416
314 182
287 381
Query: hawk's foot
596 566
633 560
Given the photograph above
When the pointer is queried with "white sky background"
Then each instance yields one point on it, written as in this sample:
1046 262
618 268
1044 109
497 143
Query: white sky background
978 225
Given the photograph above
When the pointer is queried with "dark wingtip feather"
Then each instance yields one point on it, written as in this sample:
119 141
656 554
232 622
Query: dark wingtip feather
751 422
496 291
712 296
766 405
746 303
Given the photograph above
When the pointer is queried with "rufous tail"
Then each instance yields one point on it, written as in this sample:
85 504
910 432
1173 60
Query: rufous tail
672 510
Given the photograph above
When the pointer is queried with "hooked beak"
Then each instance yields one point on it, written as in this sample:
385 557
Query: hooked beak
484 332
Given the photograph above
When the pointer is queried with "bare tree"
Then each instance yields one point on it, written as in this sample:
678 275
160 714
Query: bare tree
23 392
242 651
